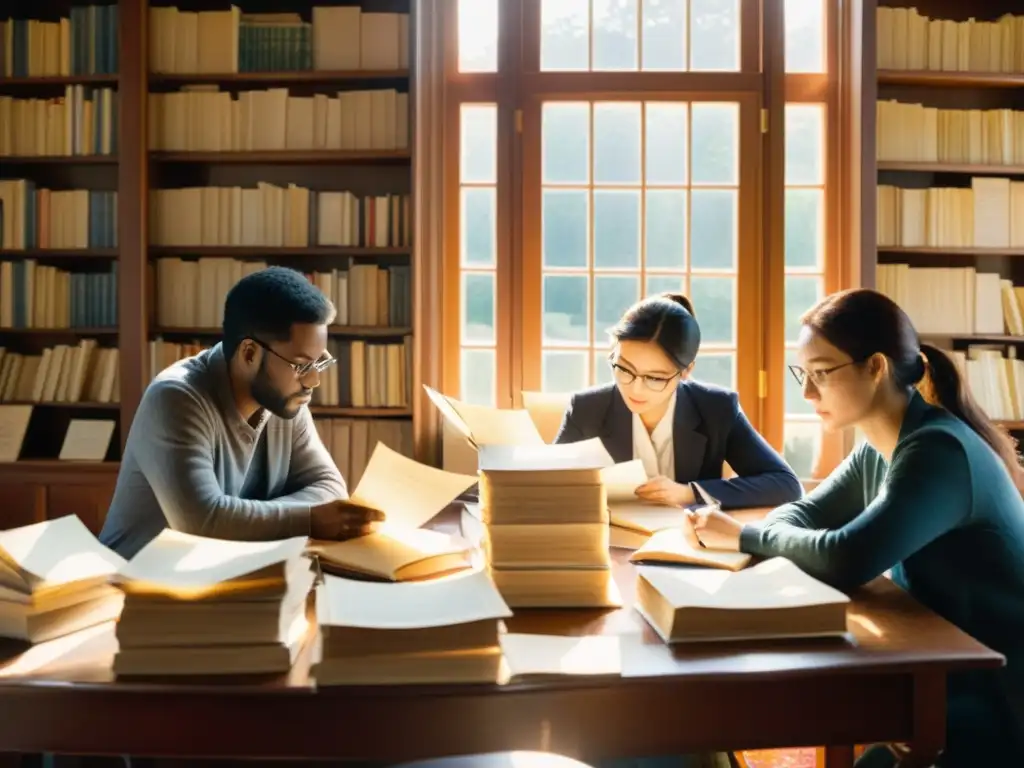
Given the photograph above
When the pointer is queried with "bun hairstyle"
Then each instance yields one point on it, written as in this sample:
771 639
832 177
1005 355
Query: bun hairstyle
669 320
863 323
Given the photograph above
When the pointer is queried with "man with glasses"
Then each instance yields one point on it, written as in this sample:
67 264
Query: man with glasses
223 445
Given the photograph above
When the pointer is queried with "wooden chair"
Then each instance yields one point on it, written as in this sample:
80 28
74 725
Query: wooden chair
500 760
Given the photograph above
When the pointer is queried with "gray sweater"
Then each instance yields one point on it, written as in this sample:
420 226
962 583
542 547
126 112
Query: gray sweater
192 463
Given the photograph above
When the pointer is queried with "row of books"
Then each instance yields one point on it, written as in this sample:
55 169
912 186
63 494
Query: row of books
367 375
953 300
86 373
351 442
206 119
191 294
988 214
275 216
34 217
83 43
39 296
920 134
911 41
85 439
215 42
995 377
83 122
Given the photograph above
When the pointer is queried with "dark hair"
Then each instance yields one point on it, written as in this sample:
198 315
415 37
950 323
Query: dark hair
862 322
667 319
266 304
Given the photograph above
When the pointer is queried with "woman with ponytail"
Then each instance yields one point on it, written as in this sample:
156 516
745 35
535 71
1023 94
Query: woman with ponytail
682 430
931 495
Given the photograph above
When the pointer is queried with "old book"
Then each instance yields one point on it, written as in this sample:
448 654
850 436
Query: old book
773 599
675 545
400 550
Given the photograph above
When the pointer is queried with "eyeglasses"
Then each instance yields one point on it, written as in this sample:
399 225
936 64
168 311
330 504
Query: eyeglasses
301 369
819 377
654 383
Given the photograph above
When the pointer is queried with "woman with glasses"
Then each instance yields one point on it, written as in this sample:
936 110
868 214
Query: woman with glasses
932 495
683 430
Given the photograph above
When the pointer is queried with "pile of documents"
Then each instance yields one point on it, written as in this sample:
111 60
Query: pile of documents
443 630
201 606
54 580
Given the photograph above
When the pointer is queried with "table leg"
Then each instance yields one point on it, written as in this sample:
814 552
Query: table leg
839 757
929 721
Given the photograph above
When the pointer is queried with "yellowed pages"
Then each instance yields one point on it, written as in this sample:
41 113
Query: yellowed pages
547 409
486 426
530 656
645 517
671 545
395 552
621 480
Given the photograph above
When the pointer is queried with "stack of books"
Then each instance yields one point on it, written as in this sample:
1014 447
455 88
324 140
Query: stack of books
444 630
54 580
542 523
201 606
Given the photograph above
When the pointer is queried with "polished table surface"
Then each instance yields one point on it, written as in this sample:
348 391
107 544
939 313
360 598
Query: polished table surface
885 681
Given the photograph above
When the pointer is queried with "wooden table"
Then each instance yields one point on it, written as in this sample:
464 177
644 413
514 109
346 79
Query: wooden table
887 683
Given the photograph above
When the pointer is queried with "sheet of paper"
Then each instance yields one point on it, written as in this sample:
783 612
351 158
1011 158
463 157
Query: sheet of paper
487 426
674 545
587 454
547 410
13 426
561 655
87 440
644 517
407 492
457 599
58 551
621 480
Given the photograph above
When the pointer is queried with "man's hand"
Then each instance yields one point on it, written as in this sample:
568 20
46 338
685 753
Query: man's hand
664 491
342 519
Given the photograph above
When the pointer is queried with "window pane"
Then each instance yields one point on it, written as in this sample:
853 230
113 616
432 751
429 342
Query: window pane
564 37
801 294
666 143
795 403
478 308
478 222
716 368
664 41
802 446
565 143
478 35
616 229
665 229
616 143
602 370
563 371
715 144
805 36
805 144
715 35
714 300
612 297
565 309
713 225
479 135
477 374
615 28
564 215
805 228
660 283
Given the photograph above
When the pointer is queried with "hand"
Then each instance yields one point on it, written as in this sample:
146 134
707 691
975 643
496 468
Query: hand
342 519
665 491
716 530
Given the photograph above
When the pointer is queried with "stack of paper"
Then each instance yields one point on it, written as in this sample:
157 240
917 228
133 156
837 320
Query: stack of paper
200 606
409 494
543 524
773 599
54 580
444 630
633 520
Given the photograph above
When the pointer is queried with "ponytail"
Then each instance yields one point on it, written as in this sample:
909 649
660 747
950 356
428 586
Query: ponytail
681 300
944 386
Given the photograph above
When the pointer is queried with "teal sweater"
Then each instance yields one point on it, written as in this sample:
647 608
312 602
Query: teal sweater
948 521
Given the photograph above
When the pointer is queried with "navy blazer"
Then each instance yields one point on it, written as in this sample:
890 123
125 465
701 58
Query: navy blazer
709 428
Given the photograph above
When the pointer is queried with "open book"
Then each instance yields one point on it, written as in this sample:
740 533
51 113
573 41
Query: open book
409 494
675 545
482 425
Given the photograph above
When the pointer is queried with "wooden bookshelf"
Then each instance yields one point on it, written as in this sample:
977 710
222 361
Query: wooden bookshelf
39 485
943 86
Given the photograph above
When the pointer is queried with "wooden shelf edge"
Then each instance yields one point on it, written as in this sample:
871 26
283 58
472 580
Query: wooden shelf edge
58 80
951 251
59 253
950 79
60 331
978 169
65 404
65 159
50 471
991 338
285 156
237 251
294 76
333 330
362 413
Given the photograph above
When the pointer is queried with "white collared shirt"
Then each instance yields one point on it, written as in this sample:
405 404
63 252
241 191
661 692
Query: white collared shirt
656 449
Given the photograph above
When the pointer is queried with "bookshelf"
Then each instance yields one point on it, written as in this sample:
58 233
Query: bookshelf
288 142
944 141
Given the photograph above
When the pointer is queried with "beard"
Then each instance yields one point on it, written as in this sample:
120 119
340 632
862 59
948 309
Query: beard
270 398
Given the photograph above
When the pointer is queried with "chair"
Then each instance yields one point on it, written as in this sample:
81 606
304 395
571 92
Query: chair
499 760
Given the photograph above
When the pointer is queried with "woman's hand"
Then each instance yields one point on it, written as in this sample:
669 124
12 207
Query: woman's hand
664 491
716 530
